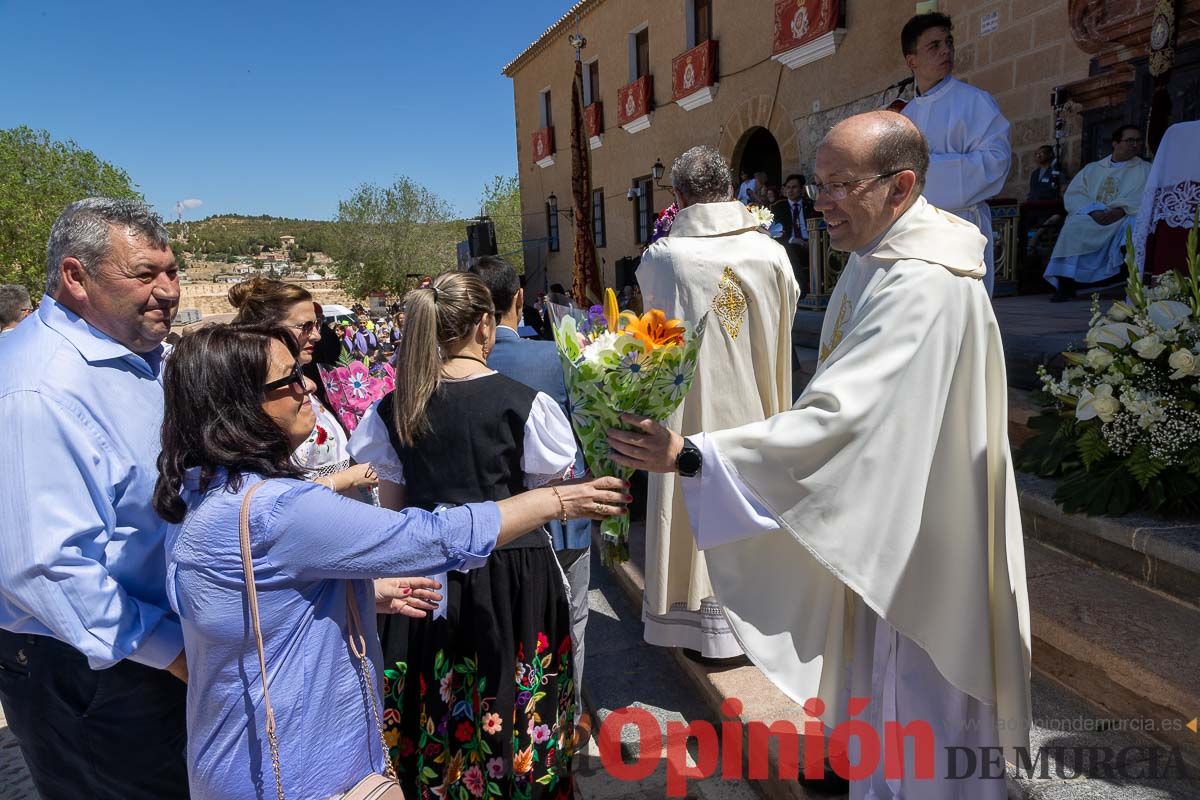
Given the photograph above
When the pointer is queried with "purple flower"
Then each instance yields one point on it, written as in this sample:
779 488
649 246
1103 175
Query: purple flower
666 219
522 699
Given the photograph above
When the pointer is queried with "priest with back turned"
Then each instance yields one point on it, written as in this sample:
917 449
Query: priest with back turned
716 262
867 542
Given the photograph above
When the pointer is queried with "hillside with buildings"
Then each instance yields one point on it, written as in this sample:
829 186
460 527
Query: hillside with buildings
219 252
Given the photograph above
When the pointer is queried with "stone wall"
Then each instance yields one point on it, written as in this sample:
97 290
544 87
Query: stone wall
1030 52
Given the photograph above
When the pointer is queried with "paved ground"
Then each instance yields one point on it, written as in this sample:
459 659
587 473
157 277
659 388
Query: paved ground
14 777
623 671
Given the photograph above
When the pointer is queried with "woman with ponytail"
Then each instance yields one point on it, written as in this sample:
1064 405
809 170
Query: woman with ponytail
480 693
322 455
235 408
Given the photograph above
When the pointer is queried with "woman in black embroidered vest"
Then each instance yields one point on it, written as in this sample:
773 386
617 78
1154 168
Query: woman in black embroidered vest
479 695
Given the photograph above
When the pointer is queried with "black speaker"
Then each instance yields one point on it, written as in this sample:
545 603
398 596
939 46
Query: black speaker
481 238
627 272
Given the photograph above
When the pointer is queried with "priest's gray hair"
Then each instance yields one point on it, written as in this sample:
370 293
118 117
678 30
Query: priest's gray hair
702 176
82 231
898 146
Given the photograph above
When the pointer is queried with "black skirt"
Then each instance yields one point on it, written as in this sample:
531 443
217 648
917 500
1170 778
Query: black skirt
481 703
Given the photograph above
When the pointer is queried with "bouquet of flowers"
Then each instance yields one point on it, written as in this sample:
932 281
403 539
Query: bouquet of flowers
352 387
616 363
662 225
1121 425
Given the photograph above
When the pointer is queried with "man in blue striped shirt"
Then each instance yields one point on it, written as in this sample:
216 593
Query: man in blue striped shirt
91 658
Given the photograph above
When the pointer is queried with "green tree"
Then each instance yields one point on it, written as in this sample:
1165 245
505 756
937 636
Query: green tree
39 177
501 201
384 233
177 249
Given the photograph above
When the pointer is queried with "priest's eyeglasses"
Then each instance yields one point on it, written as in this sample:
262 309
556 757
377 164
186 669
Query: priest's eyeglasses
837 191
295 376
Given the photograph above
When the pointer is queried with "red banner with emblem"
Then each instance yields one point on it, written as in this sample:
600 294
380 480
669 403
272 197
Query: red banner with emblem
693 70
633 99
798 22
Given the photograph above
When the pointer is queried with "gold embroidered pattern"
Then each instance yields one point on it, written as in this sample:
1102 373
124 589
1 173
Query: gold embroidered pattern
1108 190
730 303
836 338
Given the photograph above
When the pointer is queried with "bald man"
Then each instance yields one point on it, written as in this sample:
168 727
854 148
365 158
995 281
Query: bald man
867 543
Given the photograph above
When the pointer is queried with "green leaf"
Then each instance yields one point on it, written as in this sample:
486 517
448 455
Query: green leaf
1050 451
1191 461
1108 488
1142 466
1092 447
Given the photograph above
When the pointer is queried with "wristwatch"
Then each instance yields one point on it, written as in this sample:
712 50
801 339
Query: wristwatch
689 461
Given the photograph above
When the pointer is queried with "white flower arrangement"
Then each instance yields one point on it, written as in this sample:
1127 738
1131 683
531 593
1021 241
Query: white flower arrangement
766 221
1122 421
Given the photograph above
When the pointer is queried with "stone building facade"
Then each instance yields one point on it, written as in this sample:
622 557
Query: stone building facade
765 85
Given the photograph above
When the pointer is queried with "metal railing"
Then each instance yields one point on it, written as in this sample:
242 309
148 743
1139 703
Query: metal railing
825 265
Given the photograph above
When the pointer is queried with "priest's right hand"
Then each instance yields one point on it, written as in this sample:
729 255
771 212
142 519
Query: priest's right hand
1107 216
652 447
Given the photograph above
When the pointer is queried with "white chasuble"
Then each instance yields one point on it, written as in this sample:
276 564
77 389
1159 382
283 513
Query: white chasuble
714 262
1087 251
969 153
893 490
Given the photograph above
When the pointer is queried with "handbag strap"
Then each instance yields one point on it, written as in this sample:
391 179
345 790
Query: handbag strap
252 597
358 646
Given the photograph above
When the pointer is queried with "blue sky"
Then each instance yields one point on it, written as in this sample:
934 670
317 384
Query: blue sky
278 108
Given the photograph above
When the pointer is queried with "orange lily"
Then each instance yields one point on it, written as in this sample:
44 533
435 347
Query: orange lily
653 329
610 309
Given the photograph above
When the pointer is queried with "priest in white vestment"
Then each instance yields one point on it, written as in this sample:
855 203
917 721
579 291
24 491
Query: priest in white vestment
1102 205
867 542
715 261
969 151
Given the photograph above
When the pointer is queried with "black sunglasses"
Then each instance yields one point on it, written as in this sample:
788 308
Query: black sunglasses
295 376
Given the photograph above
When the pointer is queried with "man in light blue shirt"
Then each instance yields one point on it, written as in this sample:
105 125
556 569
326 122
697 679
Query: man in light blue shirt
15 306
91 665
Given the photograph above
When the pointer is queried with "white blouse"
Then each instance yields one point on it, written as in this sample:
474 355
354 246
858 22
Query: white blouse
326 449
549 448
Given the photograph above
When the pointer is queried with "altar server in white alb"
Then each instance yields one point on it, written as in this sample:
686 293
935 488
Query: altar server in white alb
969 151
867 543
1102 204
715 261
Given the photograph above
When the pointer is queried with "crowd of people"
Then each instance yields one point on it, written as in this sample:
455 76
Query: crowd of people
188 596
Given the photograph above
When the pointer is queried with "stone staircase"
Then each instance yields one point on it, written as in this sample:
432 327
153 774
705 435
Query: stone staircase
1112 658
1114 607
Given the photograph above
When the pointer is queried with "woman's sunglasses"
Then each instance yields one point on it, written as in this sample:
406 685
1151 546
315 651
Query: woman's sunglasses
295 376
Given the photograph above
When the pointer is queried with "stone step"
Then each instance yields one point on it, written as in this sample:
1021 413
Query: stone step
1158 554
622 671
1090 657
1132 651
1020 410
713 684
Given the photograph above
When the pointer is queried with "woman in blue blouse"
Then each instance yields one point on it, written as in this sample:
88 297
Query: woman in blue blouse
236 407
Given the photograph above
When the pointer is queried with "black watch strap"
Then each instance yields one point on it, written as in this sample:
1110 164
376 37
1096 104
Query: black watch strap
689 461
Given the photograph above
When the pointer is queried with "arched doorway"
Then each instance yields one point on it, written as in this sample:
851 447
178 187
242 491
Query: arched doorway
758 151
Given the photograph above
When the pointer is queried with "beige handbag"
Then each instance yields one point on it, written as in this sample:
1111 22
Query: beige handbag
372 787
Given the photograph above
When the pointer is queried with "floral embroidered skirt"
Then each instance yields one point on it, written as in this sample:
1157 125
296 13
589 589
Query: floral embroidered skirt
481 703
